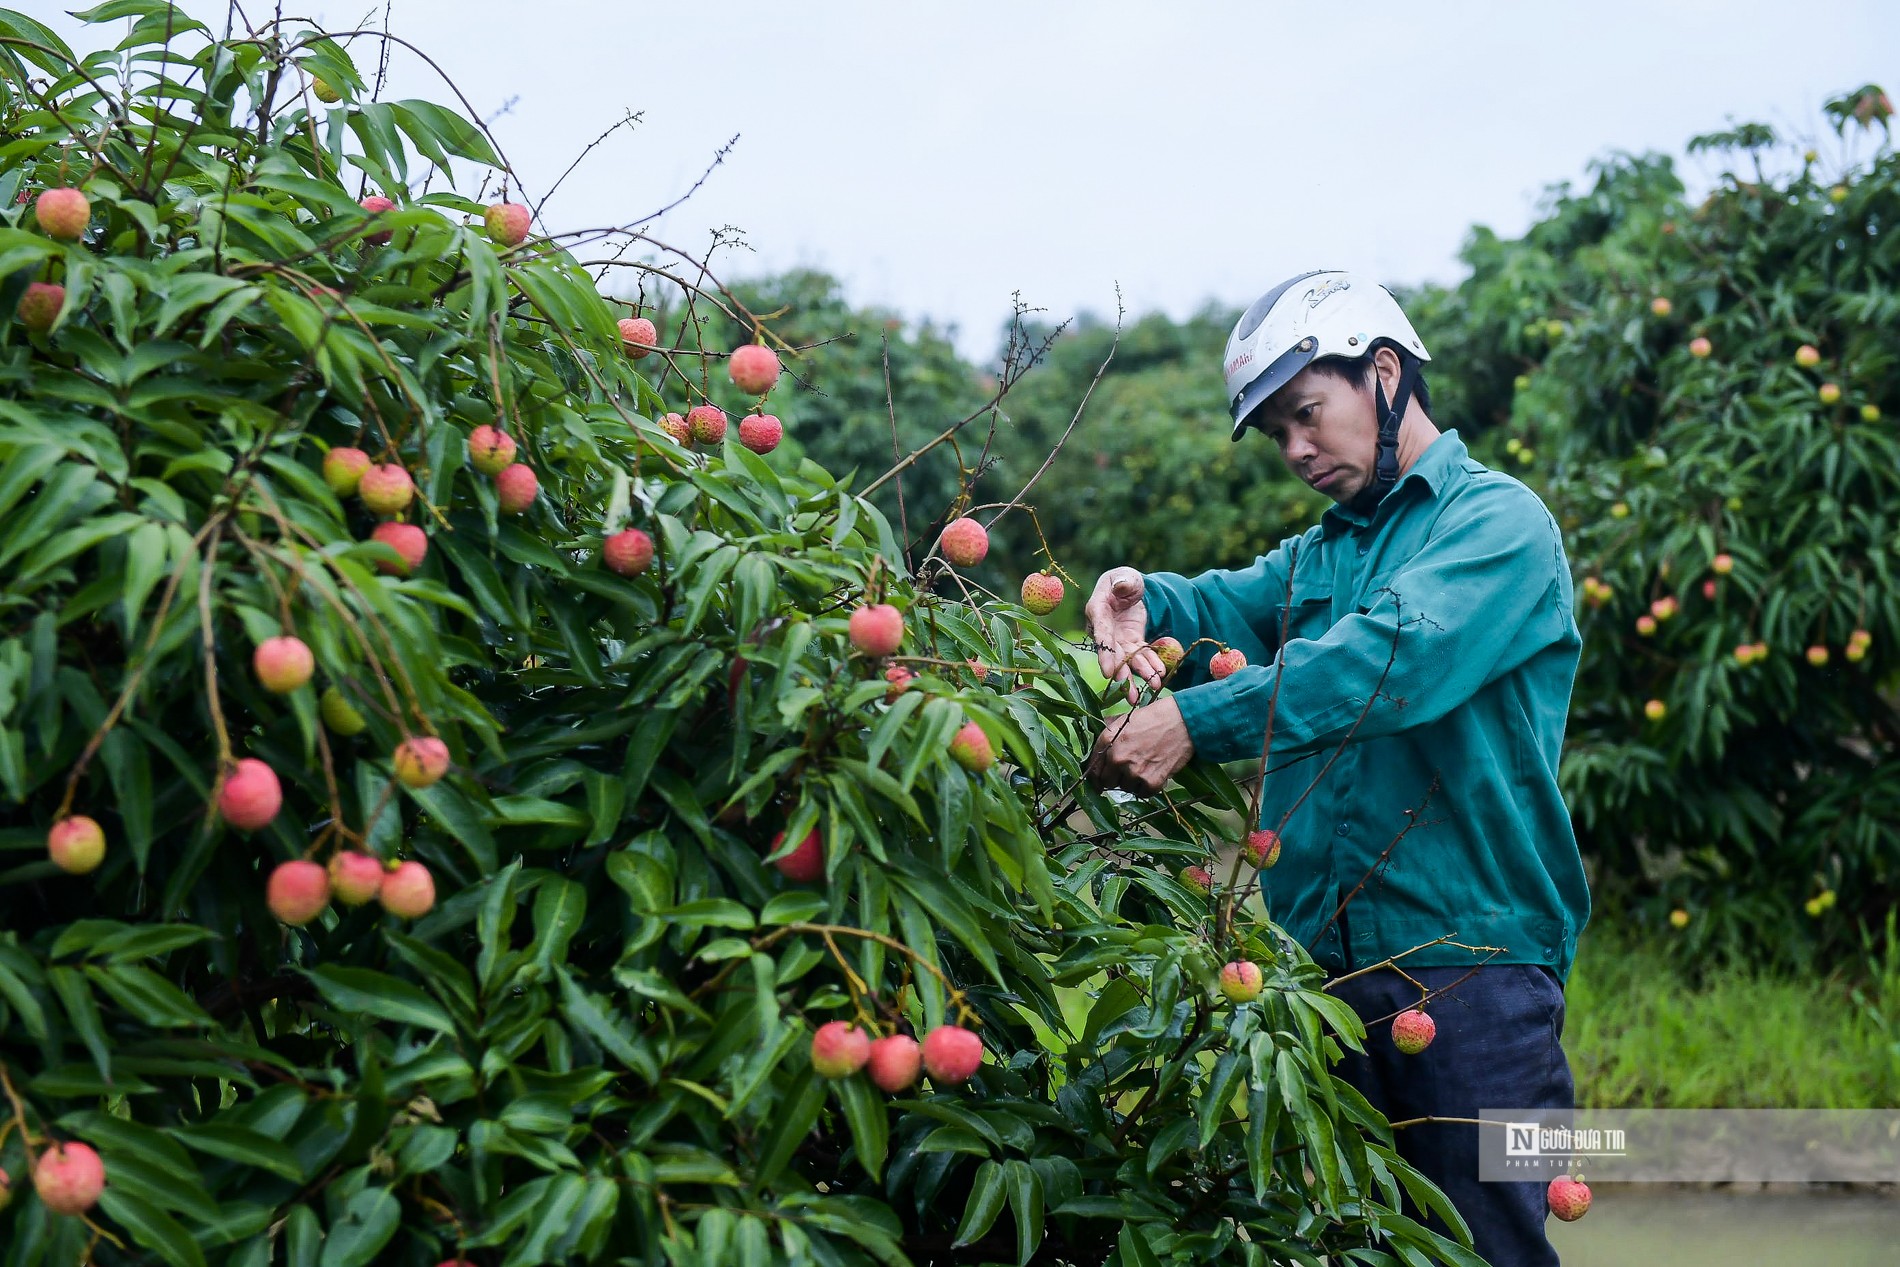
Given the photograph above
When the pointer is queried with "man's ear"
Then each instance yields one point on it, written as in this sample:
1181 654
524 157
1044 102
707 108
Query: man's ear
1385 363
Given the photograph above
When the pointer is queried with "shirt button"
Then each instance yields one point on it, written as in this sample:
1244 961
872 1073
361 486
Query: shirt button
1549 953
1344 829
1363 548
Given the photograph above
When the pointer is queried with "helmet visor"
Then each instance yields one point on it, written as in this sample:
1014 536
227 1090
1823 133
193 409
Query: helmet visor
1246 405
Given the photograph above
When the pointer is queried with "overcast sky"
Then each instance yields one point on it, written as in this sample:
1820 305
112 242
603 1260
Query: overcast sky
940 156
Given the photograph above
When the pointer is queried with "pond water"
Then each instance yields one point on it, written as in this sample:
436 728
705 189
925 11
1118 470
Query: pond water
1688 1227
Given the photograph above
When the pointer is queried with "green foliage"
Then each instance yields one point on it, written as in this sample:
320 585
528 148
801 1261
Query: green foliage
595 1047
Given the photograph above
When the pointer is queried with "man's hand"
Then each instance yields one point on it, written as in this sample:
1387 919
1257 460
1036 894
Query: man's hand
1118 622
1140 751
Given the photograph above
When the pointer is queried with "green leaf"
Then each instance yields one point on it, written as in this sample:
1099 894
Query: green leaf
864 1113
151 1227
242 1145
371 993
980 1212
1025 1205
368 1222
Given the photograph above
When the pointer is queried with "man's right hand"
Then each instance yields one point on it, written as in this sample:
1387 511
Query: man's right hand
1118 622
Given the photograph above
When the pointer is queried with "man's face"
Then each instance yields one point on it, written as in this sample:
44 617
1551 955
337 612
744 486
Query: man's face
1327 432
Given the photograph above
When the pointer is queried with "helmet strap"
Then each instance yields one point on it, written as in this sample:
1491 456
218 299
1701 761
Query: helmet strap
1386 470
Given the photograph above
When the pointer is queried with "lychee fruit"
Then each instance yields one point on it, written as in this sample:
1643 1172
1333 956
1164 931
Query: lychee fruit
6 1190
895 1063
1700 348
297 892
490 449
1646 625
1240 981
1042 592
515 488
754 369
1709 588
1870 413
1807 356
344 468
1661 306
355 878
1413 1031
1262 847
900 679
1569 1199
839 1049
76 844
970 748
339 714
408 890
376 205
979 669
63 213
324 92
40 305
805 863
386 489
707 423
761 433
507 223
951 1054
1655 710
1169 651
1197 880
965 542
1226 663
407 540
877 629
283 664
1830 393
676 426
69 1178
1663 608
250 795
1722 564
1679 918
638 336
420 760
628 552
1817 656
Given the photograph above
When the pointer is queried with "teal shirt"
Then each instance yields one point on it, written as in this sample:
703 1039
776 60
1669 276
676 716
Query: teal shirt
1458 581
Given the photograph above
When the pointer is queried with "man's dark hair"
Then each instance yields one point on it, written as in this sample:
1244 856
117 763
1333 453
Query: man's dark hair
1356 371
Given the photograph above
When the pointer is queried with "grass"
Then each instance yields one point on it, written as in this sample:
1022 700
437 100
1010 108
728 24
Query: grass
1639 1036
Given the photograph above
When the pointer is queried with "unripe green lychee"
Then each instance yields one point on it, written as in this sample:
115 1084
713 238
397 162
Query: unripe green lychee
1655 710
638 336
297 892
1870 413
707 423
386 489
952 1054
761 433
516 487
1240 981
490 449
507 223
407 540
39 306
338 713
69 1178
1169 651
754 369
839 1049
1413 1031
323 91
376 205
250 795
896 1062
1226 663
1042 592
628 552
355 878
877 629
805 863
970 748
1807 356
1262 847
76 844
408 890
63 214
964 542
344 468
420 760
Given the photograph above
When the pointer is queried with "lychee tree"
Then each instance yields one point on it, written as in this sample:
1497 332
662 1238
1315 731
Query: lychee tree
442 812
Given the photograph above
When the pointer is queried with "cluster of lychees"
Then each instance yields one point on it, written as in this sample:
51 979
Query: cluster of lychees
950 1054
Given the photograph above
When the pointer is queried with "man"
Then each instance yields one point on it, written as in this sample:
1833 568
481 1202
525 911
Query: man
1423 632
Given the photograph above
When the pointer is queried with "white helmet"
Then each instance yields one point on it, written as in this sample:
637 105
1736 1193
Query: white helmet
1322 313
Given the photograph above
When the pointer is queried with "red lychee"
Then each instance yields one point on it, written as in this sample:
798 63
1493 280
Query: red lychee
1197 880
63 213
805 863
951 1054
507 223
839 1049
1569 1199
754 369
628 552
490 449
40 305
676 426
411 542
69 1178
376 204
355 878
970 748
1817 656
386 489
1226 663
638 336
408 890
1262 847
1700 348
1413 1031
761 433
895 1063
707 423
250 795
1042 592
1240 981
515 488
1661 306
283 664
297 892
965 542
421 760
900 679
76 844
877 629
344 468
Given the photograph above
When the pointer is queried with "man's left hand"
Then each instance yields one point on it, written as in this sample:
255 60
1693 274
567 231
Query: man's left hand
1140 751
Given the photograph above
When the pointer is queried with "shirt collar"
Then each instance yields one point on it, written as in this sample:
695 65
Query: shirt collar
1434 466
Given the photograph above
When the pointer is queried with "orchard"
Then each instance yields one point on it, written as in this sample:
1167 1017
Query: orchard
455 798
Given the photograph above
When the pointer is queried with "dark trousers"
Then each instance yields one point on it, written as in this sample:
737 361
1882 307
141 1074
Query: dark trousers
1498 1046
